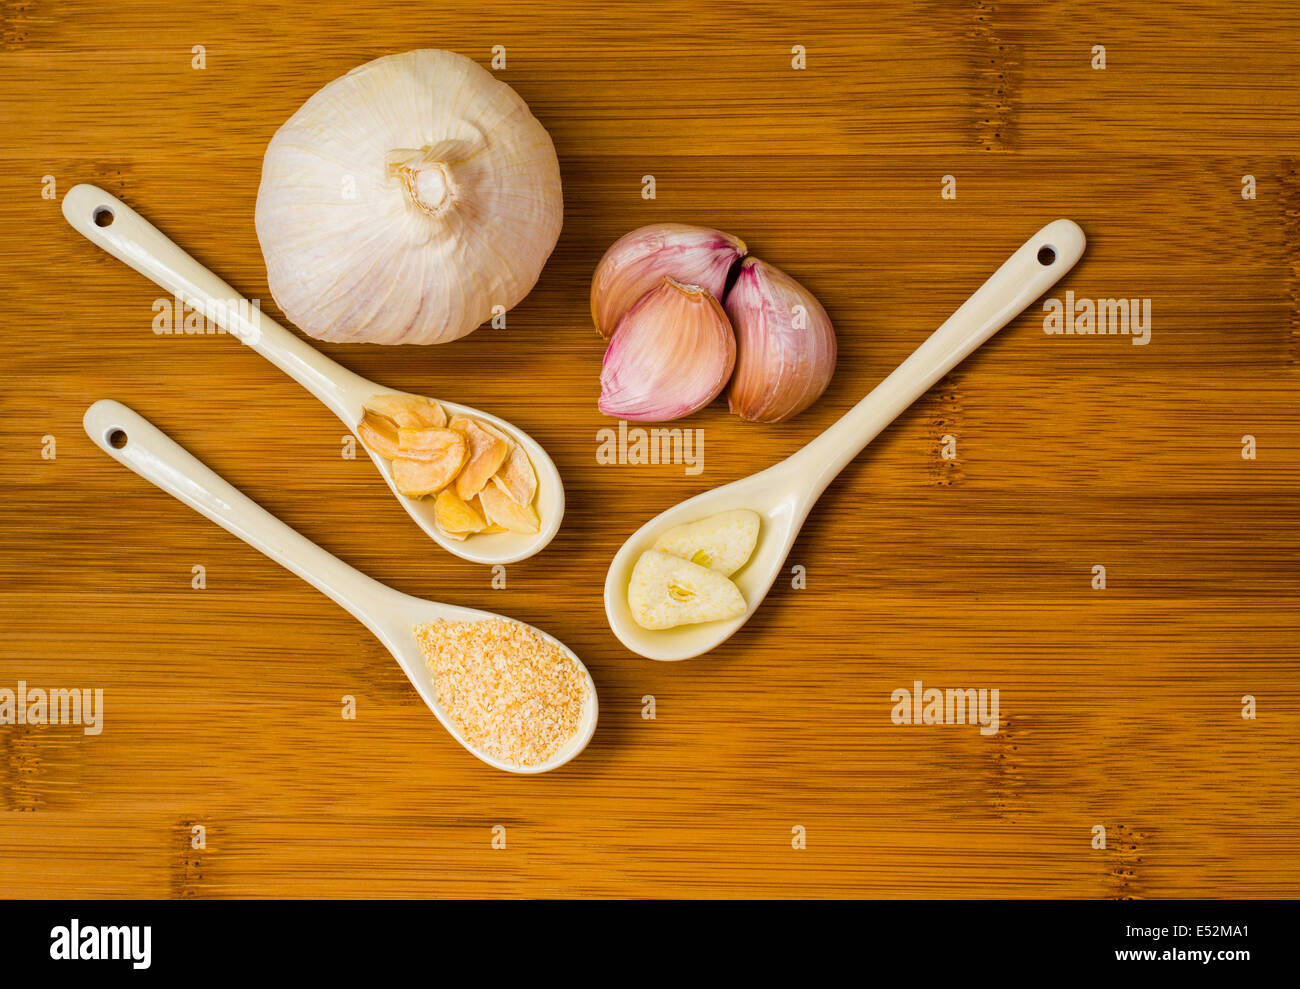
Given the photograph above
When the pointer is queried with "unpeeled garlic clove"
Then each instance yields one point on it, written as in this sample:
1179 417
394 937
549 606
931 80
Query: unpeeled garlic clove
671 354
785 344
638 261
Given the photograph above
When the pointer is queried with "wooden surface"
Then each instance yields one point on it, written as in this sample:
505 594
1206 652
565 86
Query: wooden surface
1119 707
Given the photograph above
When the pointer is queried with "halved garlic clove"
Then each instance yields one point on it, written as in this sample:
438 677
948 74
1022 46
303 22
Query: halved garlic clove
666 591
722 542
638 261
672 354
785 344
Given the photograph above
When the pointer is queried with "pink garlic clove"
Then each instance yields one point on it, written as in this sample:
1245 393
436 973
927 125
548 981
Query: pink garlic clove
785 344
671 354
638 261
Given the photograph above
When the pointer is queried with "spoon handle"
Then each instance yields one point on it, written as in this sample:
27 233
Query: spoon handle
133 441
111 224
1039 263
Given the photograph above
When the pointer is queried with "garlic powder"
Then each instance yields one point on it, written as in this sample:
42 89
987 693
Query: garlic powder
510 691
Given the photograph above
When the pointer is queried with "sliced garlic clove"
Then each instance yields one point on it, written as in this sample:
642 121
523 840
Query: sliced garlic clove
411 411
785 344
638 261
672 354
417 478
433 443
722 542
488 450
428 460
383 416
500 509
454 516
666 591
379 433
517 478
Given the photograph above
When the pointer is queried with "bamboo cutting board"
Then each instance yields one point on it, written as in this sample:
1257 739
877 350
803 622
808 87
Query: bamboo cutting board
772 766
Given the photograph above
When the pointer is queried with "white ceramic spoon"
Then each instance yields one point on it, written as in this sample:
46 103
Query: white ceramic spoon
784 494
391 615
111 224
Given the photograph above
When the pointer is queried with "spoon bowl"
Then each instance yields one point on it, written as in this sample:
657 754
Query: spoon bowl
486 547
782 508
399 639
109 223
389 614
785 493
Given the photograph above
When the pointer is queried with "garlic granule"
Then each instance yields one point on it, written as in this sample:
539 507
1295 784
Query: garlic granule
406 200
510 691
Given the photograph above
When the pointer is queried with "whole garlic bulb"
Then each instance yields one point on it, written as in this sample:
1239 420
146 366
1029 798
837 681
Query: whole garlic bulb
785 344
405 200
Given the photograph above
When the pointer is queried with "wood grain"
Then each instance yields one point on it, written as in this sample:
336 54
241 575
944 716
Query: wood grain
1119 708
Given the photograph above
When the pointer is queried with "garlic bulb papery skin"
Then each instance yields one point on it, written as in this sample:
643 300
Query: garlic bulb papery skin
785 344
671 354
405 200
638 261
